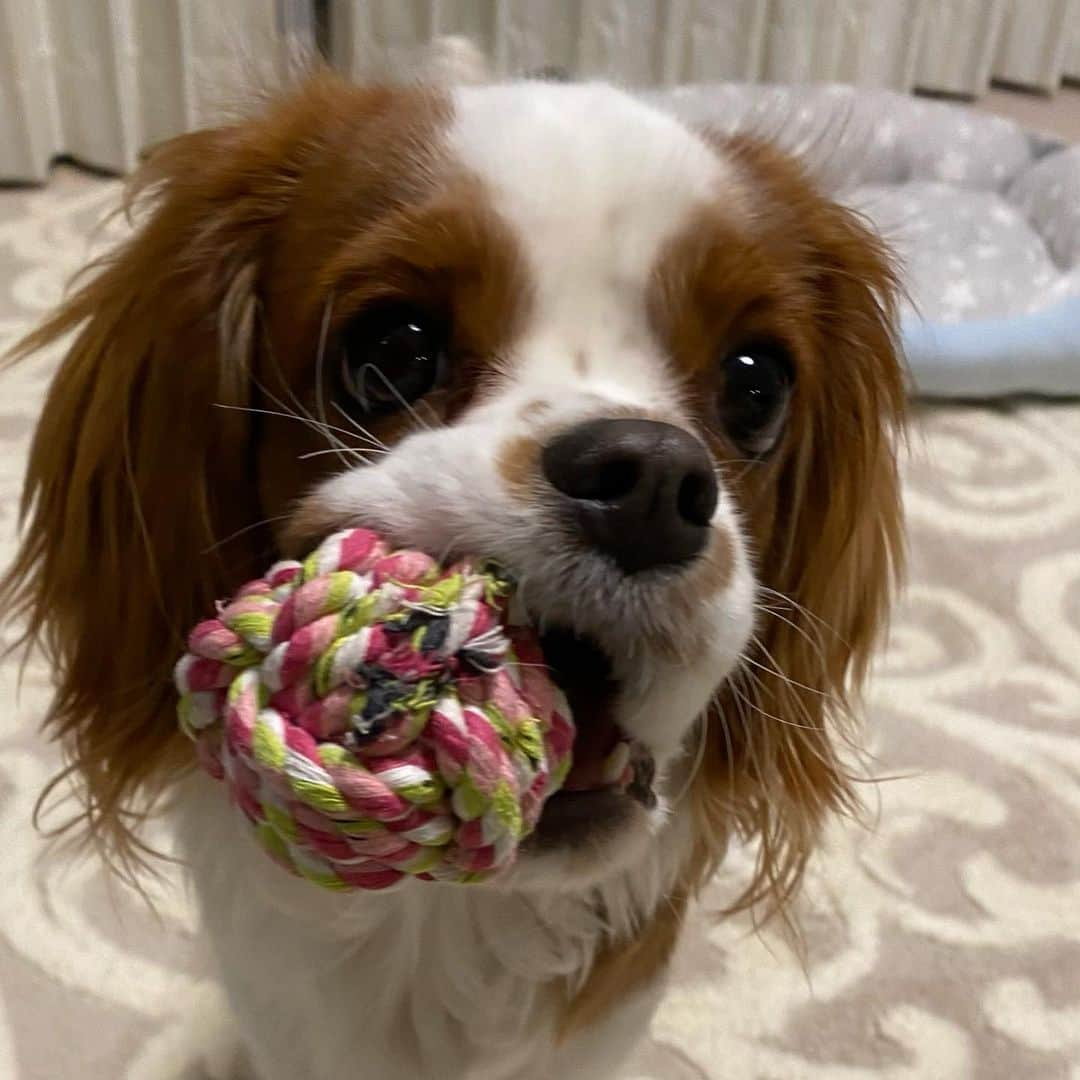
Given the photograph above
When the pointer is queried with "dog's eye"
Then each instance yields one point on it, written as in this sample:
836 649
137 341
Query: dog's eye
754 398
392 356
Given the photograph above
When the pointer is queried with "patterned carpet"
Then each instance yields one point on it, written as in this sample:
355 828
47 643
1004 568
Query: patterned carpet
943 943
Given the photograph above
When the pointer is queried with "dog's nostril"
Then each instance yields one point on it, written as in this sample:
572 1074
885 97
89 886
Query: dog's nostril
611 481
697 498
640 491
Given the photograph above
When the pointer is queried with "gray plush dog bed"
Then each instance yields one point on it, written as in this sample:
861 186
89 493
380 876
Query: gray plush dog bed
984 216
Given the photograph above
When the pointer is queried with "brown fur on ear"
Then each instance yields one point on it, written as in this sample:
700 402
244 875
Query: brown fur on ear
826 523
135 476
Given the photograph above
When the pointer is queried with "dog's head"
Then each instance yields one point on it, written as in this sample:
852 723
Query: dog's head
649 371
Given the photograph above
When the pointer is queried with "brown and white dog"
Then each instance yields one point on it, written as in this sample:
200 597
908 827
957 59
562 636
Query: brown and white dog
650 370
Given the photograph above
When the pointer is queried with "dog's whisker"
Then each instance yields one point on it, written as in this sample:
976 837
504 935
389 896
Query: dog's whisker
320 360
771 716
298 411
362 431
814 643
716 710
358 454
425 404
791 699
795 605
304 417
775 669
314 425
756 689
298 405
405 403
245 529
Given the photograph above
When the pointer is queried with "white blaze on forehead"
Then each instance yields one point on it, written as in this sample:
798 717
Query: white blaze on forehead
593 183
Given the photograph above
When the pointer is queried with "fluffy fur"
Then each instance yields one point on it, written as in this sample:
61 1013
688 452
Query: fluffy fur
595 257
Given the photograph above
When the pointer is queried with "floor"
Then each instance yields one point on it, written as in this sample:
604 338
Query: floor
1058 114
941 943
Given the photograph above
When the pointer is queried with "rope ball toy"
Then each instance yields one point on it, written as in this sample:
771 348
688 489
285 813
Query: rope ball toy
376 715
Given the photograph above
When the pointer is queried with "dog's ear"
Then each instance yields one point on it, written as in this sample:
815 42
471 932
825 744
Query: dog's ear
826 522
136 474
825 518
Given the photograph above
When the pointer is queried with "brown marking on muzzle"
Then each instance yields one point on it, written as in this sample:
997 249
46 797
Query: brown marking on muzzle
534 410
517 462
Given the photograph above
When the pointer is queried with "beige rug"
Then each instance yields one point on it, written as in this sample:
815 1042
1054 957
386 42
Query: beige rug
945 944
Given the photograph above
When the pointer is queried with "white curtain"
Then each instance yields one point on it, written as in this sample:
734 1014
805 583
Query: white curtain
957 45
950 46
100 79
1035 40
643 42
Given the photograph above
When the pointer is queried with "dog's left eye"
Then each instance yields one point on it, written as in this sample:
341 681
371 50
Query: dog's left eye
755 395
391 357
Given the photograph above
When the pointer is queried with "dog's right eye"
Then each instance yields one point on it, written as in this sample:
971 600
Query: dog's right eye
754 402
391 357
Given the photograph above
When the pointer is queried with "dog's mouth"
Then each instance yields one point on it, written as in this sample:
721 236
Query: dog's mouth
611 771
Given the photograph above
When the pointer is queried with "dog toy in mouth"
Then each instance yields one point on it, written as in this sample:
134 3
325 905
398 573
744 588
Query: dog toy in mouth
376 715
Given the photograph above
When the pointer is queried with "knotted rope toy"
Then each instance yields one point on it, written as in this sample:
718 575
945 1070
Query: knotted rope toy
375 715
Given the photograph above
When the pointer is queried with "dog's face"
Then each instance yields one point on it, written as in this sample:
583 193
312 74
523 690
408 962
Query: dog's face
649 372
529 339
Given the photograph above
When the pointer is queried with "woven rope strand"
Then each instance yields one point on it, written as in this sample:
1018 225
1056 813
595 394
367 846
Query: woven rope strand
375 717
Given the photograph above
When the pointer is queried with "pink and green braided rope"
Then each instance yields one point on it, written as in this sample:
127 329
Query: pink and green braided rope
374 716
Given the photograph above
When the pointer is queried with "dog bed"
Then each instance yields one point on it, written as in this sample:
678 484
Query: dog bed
984 216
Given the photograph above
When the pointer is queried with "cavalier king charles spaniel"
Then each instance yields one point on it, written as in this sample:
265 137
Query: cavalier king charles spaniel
650 369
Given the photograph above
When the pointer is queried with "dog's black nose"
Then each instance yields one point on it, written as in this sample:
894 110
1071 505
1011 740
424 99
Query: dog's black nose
642 491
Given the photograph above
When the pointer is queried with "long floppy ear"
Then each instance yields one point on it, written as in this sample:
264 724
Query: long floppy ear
827 522
135 476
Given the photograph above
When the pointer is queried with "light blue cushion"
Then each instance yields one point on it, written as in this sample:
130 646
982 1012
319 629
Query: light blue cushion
1037 353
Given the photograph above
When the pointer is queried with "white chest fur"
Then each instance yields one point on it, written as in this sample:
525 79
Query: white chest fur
426 981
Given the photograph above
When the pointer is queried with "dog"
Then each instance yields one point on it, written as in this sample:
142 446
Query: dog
649 369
